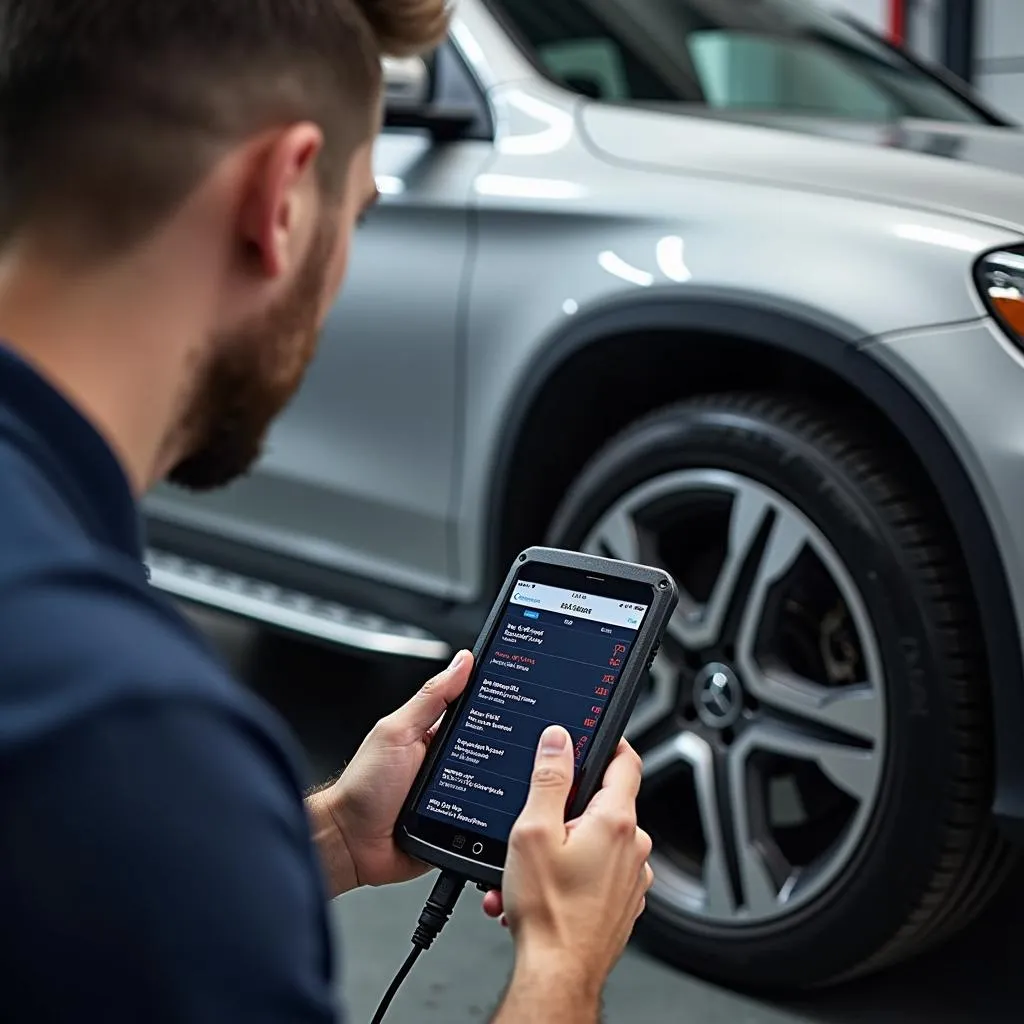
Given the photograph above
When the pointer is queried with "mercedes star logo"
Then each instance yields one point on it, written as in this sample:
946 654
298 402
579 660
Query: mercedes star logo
719 698
717 695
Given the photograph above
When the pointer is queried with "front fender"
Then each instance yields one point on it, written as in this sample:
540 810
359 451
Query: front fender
841 349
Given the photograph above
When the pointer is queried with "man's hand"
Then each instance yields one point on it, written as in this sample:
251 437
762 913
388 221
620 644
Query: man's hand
354 820
572 891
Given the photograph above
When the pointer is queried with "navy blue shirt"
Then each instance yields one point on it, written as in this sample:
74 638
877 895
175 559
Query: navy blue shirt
156 863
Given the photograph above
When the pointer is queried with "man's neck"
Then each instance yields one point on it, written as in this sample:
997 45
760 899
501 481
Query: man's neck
114 342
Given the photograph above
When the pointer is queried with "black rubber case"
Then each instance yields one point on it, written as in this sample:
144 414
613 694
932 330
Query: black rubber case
613 724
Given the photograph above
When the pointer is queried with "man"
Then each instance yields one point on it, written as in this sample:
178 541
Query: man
179 182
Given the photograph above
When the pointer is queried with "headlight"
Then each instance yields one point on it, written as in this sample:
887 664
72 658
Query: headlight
1001 280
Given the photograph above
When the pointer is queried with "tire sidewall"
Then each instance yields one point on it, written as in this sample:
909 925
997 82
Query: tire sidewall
886 877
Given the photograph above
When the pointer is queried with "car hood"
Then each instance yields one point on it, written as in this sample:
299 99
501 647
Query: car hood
973 171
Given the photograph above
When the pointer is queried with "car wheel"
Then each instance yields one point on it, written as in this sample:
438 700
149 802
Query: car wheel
816 730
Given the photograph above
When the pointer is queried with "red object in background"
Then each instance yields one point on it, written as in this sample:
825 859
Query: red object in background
898 21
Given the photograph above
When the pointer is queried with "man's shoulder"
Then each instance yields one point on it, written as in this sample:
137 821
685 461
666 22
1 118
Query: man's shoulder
86 602
81 631
33 510
41 524
166 848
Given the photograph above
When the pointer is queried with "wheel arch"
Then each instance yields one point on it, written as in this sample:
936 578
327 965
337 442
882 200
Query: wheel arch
761 342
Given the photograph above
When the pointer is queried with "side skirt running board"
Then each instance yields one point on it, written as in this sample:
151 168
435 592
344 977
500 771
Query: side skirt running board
290 610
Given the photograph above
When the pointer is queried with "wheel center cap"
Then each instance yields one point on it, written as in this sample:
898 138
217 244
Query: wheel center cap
717 696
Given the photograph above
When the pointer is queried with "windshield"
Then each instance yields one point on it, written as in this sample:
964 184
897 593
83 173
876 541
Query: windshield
775 56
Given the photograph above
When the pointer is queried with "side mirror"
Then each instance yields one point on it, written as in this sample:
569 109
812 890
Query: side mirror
412 100
407 84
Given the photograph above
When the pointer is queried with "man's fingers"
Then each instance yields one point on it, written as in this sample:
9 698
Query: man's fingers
644 843
493 904
621 781
550 784
428 705
433 730
622 778
646 881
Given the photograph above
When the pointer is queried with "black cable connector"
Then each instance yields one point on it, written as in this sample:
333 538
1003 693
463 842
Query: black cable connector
435 915
438 909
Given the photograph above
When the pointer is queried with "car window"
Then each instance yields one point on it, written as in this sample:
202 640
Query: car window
782 56
589 51
739 70
597 66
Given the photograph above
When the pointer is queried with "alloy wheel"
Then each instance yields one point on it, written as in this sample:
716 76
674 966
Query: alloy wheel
763 724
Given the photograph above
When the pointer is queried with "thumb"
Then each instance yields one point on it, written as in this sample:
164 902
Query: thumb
551 781
432 699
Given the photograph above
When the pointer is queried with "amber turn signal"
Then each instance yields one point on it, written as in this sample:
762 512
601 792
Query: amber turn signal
1001 282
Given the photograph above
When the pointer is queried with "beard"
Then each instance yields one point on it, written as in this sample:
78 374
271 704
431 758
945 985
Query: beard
253 373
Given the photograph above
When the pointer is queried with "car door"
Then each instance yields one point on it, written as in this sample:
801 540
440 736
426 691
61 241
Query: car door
358 473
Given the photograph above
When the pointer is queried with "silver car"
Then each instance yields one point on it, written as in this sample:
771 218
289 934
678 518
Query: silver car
730 287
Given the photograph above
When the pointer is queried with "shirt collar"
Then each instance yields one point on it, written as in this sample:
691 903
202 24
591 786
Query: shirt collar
78 461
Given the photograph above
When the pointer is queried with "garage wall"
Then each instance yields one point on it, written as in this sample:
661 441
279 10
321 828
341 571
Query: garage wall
924 28
999 59
922 24
999 41
873 12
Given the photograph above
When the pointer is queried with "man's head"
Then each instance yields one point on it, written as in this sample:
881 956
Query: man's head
250 120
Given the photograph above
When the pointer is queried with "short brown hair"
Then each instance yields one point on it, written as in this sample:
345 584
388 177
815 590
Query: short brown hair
112 111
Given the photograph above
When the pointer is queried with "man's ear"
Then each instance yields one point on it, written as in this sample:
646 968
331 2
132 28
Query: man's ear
279 211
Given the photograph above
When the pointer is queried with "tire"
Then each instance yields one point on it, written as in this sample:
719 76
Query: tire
901 729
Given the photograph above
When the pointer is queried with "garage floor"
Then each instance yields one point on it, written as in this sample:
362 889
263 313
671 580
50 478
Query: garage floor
332 701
